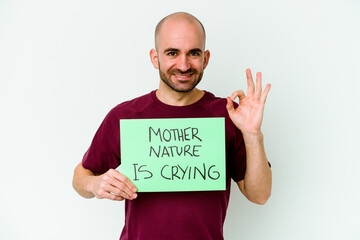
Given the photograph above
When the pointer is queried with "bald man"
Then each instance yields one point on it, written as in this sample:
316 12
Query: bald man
181 58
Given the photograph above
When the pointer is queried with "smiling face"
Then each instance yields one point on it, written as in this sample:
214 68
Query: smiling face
180 55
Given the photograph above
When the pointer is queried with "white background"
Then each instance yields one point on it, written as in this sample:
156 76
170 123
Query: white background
65 64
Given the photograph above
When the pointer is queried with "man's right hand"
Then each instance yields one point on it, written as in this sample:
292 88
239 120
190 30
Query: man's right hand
111 185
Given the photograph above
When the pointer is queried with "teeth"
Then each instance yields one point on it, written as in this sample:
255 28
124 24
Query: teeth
188 75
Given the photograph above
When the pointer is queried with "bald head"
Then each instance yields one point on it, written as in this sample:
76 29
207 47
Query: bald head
178 17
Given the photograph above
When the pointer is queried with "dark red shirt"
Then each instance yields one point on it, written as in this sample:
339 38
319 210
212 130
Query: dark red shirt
169 215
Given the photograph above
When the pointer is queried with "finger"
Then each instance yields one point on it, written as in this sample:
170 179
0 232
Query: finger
113 185
113 197
124 183
230 106
250 83
258 85
116 198
106 192
120 189
240 94
119 192
122 178
265 93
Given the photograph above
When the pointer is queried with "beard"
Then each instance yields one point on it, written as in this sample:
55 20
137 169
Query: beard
166 78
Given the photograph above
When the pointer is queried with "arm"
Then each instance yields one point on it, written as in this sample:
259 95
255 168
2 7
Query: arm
247 117
111 185
256 185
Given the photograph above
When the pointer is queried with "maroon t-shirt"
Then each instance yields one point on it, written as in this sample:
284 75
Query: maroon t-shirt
169 215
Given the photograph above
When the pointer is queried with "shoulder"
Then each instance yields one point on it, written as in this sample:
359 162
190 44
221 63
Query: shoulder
216 102
128 108
125 110
217 106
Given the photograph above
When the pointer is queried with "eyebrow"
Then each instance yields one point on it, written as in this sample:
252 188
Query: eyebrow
171 50
177 50
195 50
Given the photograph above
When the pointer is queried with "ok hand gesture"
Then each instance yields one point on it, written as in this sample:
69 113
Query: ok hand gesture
249 114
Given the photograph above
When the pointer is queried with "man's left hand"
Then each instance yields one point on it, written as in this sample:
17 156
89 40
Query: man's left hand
249 114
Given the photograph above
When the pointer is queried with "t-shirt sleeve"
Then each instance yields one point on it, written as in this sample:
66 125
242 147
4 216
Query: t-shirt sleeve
237 157
104 151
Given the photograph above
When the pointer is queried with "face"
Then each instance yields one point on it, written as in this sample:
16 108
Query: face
180 79
180 55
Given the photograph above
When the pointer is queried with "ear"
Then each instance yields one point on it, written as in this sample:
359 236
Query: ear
154 58
206 58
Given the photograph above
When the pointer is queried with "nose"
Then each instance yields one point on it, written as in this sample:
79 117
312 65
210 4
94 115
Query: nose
183 63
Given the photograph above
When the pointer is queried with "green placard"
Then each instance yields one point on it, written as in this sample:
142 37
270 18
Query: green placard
174 154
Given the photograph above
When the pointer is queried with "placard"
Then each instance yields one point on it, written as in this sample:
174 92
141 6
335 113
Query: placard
176 154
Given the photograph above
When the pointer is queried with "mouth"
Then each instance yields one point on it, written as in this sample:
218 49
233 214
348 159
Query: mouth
183 77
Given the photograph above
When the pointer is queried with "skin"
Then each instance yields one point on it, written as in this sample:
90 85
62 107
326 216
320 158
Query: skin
248 118
181 58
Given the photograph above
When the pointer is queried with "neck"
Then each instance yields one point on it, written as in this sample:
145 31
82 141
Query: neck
174 98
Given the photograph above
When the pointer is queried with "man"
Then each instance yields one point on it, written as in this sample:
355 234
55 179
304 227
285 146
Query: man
181 58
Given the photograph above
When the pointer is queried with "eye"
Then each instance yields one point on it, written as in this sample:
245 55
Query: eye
171 54
194 53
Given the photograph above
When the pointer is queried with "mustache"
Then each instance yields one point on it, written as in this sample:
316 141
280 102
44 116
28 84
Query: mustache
178 71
